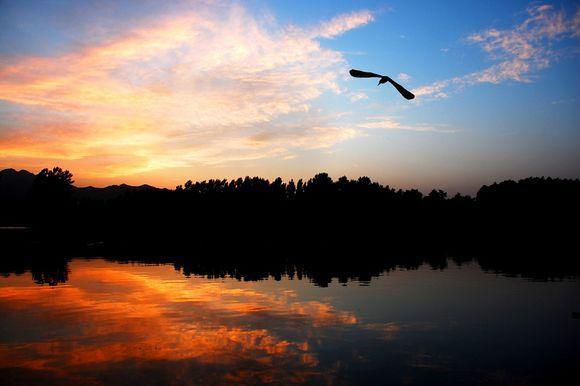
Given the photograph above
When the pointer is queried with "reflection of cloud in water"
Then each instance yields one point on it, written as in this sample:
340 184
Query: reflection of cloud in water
113 324
391 328
108 315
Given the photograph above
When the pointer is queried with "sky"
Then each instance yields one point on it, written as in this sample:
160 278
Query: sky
162 92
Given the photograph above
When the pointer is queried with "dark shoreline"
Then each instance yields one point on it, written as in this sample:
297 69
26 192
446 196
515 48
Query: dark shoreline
47 257
343 228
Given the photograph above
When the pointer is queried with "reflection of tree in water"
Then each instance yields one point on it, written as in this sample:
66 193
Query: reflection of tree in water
51 275
321 271
49 270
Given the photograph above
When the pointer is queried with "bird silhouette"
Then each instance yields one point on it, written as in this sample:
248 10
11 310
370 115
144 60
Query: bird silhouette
384 79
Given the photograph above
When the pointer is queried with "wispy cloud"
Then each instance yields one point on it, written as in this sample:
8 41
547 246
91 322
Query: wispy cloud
343 23
392 123
519 52
191 88
357 96
404 77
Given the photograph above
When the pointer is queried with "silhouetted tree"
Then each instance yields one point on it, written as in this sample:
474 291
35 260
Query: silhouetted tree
290 189
437 195
299 187
52 195
319 185
53 187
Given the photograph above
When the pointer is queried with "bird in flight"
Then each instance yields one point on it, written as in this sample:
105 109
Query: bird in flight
384 79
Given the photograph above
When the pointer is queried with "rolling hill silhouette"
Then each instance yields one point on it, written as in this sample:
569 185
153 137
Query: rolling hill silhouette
17 185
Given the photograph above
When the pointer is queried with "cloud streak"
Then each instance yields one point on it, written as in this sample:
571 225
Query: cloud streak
343 23
519 52
391 123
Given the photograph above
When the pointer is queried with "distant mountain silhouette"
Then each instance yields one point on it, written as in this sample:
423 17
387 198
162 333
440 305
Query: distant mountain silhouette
15 185
108 192
17 188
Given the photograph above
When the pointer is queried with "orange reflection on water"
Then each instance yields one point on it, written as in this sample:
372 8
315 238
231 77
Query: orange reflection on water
109 316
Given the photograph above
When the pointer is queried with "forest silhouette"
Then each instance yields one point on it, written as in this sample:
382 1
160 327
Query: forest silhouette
524 227
252 218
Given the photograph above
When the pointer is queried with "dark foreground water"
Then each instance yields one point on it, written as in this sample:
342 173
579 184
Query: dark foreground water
130 324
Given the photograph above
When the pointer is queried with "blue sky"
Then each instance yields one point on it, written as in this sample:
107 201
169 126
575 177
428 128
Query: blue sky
160 92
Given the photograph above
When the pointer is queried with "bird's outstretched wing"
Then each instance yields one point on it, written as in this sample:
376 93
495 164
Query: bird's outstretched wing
402 90
364 74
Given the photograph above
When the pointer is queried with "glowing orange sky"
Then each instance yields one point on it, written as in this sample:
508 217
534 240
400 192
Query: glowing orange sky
190 90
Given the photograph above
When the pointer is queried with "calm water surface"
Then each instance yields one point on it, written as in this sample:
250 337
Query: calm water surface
126 324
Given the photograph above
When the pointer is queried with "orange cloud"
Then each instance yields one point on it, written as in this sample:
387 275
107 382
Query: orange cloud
195 88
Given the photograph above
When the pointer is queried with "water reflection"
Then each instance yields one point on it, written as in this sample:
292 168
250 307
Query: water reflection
109 314
110 323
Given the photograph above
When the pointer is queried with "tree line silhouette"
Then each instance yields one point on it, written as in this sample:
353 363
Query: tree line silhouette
320 216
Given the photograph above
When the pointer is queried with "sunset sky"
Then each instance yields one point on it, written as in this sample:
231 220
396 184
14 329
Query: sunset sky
159 92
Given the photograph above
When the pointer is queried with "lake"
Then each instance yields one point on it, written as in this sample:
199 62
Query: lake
102 322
